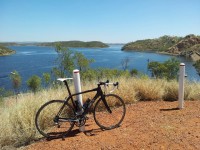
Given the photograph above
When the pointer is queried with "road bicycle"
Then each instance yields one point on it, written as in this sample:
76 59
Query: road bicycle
56 118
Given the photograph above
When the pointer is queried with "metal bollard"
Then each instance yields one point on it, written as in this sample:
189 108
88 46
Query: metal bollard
77 85
181 86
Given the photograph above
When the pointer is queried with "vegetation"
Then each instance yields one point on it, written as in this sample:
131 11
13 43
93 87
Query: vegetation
93 44
67 60
197 66
46 78
8 44
185 46
34 83
134 72
103 73
16 80
159 44
195 48
5 51
81 61
64 61
167 70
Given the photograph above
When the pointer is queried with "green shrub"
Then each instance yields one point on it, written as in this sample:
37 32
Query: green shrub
34 83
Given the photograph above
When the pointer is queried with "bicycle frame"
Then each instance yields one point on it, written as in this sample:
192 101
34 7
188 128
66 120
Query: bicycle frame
98 94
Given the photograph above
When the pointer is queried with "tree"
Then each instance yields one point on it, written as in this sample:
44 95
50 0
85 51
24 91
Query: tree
46 78
168 69
134 72
16 80
197 66
34 83
81 61
172 66
125 63
65 61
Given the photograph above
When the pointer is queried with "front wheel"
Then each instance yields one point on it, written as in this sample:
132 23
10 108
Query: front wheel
53 119
109 119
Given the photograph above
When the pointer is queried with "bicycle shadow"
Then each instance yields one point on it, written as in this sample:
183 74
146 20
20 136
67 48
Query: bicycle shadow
76 132
93 132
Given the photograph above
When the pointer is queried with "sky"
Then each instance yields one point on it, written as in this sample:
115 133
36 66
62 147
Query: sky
109 21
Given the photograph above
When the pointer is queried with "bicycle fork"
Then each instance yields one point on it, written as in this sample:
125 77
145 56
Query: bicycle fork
106 104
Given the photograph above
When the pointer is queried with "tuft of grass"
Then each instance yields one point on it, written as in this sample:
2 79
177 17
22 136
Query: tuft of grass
149 90
192 91
171 91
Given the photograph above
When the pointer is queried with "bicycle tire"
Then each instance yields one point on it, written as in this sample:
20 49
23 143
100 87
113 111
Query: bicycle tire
106 120
45 116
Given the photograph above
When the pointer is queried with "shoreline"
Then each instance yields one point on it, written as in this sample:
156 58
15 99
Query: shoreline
8 54
194 57
152 51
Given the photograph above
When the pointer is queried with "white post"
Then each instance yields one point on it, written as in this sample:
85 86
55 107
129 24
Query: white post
181 86
77 85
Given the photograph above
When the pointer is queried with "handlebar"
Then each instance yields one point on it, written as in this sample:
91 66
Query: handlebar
103 83
106 84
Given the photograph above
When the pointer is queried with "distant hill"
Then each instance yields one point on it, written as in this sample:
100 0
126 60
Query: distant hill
190 43
158 44
8 44
185 46
91 44
5 51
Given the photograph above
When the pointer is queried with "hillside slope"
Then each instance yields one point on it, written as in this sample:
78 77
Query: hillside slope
5 51
185 46
158 44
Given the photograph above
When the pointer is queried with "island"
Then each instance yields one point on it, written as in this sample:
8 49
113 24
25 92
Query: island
90 44
188 46
5 51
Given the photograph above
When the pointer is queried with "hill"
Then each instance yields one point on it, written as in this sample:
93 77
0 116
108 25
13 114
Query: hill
185 46
93 44
158 44
5 51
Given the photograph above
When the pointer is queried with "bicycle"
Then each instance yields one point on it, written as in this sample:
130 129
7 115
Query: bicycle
56 118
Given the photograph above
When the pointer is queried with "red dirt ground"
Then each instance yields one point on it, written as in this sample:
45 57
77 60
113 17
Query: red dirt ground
147 125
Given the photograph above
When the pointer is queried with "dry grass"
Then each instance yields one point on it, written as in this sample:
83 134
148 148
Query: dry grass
192 91
149 90
17 125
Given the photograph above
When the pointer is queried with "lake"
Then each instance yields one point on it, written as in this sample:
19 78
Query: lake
35 60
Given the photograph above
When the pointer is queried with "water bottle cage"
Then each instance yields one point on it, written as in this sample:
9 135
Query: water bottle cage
86 104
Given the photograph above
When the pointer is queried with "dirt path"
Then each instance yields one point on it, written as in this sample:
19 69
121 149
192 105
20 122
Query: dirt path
147 125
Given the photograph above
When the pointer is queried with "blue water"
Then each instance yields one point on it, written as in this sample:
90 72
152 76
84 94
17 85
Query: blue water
30 60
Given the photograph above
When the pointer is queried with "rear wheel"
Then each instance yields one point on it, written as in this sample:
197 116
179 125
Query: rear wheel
53 119
106 119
